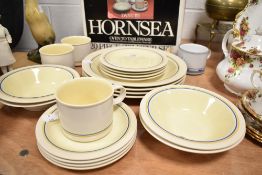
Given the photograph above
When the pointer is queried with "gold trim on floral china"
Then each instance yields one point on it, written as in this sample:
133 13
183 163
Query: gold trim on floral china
245 102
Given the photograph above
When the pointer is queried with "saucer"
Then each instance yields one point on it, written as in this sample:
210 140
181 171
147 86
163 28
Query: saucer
50 137
122 7
91 161
252 102
131 79
139 10
87 138
87 166
133 59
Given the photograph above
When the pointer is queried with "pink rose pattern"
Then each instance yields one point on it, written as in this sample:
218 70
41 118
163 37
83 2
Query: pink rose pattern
244 28
237 60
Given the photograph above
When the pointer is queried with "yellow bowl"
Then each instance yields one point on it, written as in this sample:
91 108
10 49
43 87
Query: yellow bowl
34 84
192 117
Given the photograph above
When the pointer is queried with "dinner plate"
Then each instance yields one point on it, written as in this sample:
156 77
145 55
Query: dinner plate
34 84
209 122
168 143
129 92
176 69
133 59
143 89
50 137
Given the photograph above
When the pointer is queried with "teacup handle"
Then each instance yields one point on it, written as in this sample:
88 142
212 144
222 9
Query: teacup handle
224 43
122 94
252 78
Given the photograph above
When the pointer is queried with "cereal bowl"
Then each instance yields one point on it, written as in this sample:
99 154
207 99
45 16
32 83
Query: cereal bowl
34 84
192 117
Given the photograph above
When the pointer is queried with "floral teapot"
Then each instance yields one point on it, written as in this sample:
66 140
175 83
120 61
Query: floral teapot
245 54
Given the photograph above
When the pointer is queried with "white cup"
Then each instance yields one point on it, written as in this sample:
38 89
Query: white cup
82 47
195 56
85 107
140 4
61 54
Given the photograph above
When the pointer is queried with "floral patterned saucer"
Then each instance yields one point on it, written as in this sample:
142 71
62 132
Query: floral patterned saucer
252 102
252 45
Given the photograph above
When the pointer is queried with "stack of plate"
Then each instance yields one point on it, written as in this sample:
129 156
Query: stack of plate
133 63
251 107
192 119
138 69
63 152
33 87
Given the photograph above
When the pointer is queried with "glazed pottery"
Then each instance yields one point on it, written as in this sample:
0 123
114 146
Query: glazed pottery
248 21
236 69
66 153
86 107
60 54
82 47
192 118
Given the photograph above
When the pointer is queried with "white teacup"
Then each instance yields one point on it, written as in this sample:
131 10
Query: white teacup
195 56
85 107
61 54
82 46
140 4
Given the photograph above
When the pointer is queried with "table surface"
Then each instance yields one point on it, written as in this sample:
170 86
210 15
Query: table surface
148 156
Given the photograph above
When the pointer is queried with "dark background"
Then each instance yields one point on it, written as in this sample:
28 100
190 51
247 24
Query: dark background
12 18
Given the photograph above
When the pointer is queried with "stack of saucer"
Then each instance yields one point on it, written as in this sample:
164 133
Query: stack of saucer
192 119
33 87
66 153
138 69
251 107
